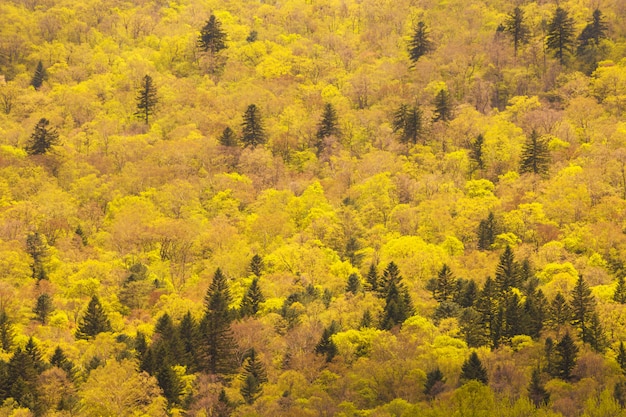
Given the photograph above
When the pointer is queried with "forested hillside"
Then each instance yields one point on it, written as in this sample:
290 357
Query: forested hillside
313 208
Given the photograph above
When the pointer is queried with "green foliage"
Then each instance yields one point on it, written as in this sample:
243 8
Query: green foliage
445 285
256 265
566 356
473 369
253 376
476 152
252 299
507 272
420 43
6 331
535 155
583 309
39 76
537 391
42 138
407 121
94 321
398 305
593 32
354 284
621 356
43 307
443 106
620 290
146 99
435 383
212 38
228 137
326 346
253 133
516 28
560 38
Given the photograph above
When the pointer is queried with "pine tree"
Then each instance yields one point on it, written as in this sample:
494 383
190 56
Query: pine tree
621 356
228 138
6 331
535 312
327 127
372 278
507 271
398 304
212 38
515 26
620 290
37 249
435 383
256 265
188 333
94 321
39 76
487 232
32 350
407 121
354 284
559 312
513 316
536 390
22 379
326 346
473 328
551 358
476 152
419 45
535 155
366 320
466 293
253 377
43 308
445 284
560 38
566 352
487 306
42 139
218 345
166 337
583 308
473 369
597 337
252 299
253 132
146 99
170 383
443 106
593 32
61 361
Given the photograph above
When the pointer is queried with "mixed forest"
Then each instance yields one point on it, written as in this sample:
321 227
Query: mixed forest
313 208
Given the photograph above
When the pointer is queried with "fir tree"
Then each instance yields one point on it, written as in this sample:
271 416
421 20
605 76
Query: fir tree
582 305
253 377
22 379
472 328
597 338
166 337
256 265
551 358
253 133
140 345
419 45
61 361
593 32
407 121
42 139
327 127
435 383
146 99
621 356
43 308
443 106
445 284
476 152
536 390
507 271
559 312
535 312
170 383
252 299
487 232
620 290
32 350
6 331
188 333
372 278
218 345
94 321
326 346
354 284
516 28
212 38
566 352
535 155
398 305
228 138
513 316
487 306
39 76
473 369
366 320
560 38
466 293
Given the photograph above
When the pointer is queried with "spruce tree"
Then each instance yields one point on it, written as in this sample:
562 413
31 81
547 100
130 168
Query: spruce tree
445 284
466 293
535 313
516 28
621 356
476 152
536 390
443 106
435 383
407 121
6 331
252 299
620 290
327 127
487 306
212 38
146 99
39 76
560 38
566 352
372 278
22 379
583 308
398 305
43 308
513 316
61 361
326 346
253 133
473 369
217 343
170 383
507 271
593 32
354 284
37 249
188 333
535 155
559 311
256 265
42 138
487 232
420 43
228 138
253 376
94 321
597 337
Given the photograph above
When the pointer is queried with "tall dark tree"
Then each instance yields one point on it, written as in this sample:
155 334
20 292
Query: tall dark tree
39 76
513 323
487 306
43 308
188 333
212 38
372 278
218 346
593 32
253 133
443 106
328 126
559 311
621 356
252 299
473 369
38 251
620 290
6 331
398 305
253 376
507 271
537 391
597 337
445 284
476 152
228 137
94 321
487 232
435 383
466 292
22 379
42 138
567 353
354 284
516 28
326 346
535 313
61 361
146 99
256 265
583 309
535 155
420 43
407 122
560 38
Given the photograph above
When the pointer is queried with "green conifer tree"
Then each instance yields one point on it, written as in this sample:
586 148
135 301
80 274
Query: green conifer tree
487 232
146 99
354 284
593 32
535 155
328 126
472 328
326 346
621 356
567 353
476 152
560 38
516 27
253 133
43 308
39 76
537 391
435 383
407 121
42 139
559 312
212 38
620 290
443 106
94 321
188 333
507 271
6 331
61 361
597 337
252 299
535 313
372 278
253 376
583 308
228 138
473 369
420 43
256 265
445 285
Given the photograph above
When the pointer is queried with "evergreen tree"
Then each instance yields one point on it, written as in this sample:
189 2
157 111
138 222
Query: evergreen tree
443 106
473 369
228 138
166 337
253 132
327 126
42 139
515 26
445 284
94 321
593 32
39 76
487 232
407 121
513 317
559 312
252 299
218 345
253 377
620 290
597 338
326 346
37 249
566 352
507 271
551 358
61 361
354 284
535 312
366 320
188 333
619 393
535 155
6 331
32 350
466 293
435 383
212 37
256 265
621 356
170 383
560 38
472 328
22 379
146 99
140 345
419 45
476 152
487 306
398 304
43 308
583 308
536 391
372 278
